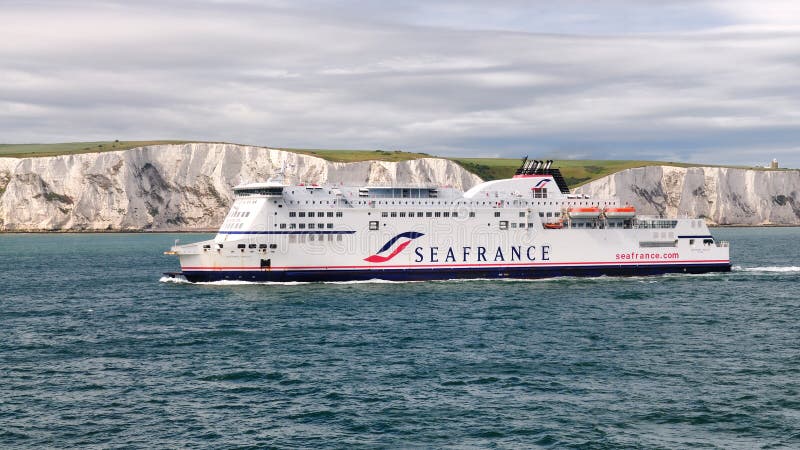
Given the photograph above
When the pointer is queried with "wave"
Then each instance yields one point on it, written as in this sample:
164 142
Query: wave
770 269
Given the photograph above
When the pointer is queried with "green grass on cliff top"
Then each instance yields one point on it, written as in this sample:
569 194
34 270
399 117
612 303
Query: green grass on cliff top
576 172
73 148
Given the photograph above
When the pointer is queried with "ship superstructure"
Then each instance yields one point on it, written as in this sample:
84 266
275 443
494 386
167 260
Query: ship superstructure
528 226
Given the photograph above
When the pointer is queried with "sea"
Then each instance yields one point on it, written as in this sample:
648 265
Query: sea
99 350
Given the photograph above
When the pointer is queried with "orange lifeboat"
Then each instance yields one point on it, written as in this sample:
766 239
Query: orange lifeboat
624 212
553 225
589 212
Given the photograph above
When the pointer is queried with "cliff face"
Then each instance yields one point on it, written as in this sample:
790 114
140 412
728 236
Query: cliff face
189 187
175 187
722 196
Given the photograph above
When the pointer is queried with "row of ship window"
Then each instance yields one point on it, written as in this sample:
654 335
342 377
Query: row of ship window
454 214
390 214
504 225
293 238
242 246
311 214
261 246
302 226
477 203
600 225
374 225
657 223
395 214
421 214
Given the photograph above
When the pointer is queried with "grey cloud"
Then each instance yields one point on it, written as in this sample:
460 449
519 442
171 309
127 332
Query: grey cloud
352 75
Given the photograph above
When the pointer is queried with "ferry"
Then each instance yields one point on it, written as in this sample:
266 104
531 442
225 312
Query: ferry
528 226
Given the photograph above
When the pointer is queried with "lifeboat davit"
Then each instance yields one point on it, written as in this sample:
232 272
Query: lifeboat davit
624 212
590 212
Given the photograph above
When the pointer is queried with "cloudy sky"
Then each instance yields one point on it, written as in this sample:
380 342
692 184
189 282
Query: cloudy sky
714 81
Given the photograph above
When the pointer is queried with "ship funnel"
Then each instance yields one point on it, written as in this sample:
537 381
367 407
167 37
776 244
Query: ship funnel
534 166
528 166
521 169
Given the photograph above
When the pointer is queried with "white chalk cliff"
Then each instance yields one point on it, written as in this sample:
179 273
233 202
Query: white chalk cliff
175 187
189 187
723 196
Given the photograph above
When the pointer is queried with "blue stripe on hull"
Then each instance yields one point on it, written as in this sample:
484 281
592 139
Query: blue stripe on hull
449 274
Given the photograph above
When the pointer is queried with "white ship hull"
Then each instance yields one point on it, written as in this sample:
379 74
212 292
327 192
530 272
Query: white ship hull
492 231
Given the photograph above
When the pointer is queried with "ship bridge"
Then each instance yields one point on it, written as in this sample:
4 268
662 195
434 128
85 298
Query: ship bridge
269 188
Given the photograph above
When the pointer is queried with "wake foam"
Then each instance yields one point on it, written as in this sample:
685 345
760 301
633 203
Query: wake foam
177 280
182 280
768 269
561 279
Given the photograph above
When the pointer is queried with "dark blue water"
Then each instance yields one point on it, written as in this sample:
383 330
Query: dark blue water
95 351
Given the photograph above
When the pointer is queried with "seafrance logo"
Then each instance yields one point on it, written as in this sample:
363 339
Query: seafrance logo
477 254
378 258
541 183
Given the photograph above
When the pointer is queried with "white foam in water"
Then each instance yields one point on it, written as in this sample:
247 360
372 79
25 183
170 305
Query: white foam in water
176 279
603 278
181 280
774 269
